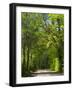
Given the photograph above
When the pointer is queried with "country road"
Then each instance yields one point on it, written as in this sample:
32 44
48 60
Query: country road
46 73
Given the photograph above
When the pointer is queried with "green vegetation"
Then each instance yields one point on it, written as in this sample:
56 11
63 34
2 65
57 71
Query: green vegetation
42 42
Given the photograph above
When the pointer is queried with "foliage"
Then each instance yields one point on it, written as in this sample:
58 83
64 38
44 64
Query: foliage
42 42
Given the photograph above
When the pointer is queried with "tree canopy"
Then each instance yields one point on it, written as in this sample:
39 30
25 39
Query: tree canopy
42 42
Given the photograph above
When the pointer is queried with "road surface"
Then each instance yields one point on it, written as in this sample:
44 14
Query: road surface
46 73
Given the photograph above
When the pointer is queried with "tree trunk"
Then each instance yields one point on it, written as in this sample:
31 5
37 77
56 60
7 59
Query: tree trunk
24 56
23 63
28 58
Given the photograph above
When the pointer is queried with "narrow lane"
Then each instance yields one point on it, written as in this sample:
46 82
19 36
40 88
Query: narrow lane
46 73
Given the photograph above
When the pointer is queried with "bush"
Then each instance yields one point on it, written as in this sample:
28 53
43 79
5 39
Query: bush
55 65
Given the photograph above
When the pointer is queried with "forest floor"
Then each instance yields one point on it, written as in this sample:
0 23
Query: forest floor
46 73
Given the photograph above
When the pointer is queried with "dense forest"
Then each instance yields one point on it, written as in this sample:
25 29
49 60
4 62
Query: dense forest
42 42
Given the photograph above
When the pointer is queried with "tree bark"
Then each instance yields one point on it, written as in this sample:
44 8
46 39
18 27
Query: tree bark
28 52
